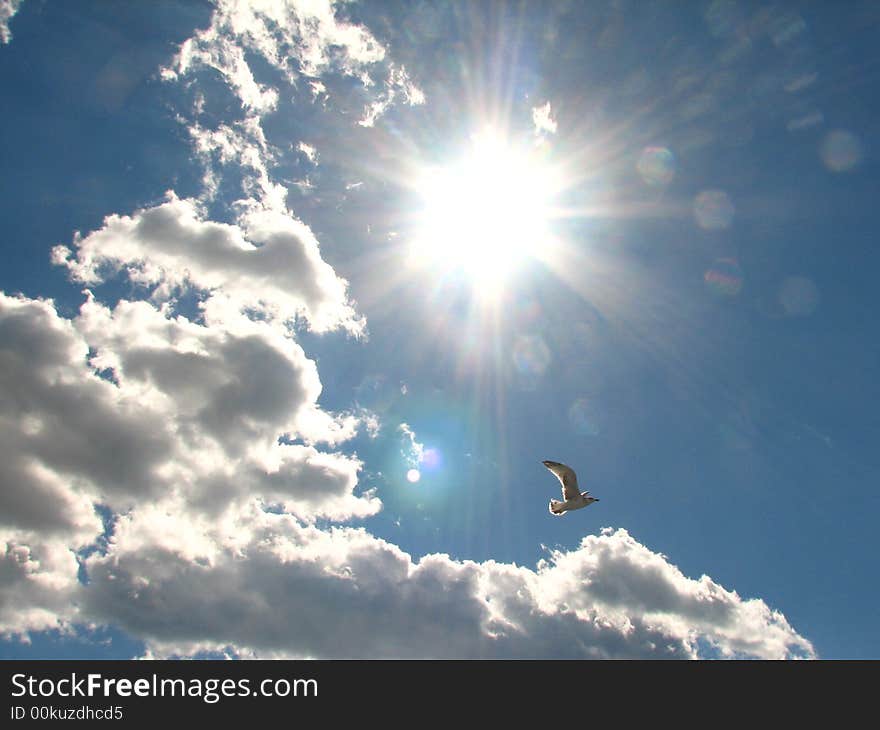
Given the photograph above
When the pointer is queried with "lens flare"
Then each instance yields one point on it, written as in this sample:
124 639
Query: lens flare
725 278
713 210
841 151
531 355
581 416
413 475
656 165
798 296
431 458
525 311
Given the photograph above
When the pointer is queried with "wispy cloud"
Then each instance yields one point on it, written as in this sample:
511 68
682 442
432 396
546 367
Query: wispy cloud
302 41
412 450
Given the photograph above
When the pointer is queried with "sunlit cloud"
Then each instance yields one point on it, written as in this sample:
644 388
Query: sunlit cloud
543 121
609 598
372 424
171 246
311 154
420 458
302 42
8 8
413 451
397 86
203 435
295 37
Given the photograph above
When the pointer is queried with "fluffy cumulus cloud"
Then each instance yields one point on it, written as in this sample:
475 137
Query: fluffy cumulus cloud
167 468
133 409
174 425
278 594
171 245
38 585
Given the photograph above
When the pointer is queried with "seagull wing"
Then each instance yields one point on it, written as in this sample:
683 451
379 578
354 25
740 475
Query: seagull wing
567 477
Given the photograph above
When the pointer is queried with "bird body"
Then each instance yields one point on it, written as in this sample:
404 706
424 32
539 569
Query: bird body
572 497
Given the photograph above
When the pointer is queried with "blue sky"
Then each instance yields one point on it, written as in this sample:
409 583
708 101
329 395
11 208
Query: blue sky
267 263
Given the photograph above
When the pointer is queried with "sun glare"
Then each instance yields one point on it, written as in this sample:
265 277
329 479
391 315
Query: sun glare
485 213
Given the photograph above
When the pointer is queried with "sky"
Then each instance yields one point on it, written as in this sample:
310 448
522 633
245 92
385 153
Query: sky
296 296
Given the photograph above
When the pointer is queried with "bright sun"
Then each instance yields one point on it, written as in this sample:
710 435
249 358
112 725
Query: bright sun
486 212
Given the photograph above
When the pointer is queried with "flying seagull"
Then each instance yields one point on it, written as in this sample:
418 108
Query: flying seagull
574 498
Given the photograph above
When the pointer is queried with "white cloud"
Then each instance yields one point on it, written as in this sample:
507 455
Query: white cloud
309 151
180 440
241 145
210 48
412 451
269 253
8 8
295 36
235 382
398 85
617 577
160 419
275 597
188 408
37 583
67 437
372 423
543 121
229 388
204 437
303 41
